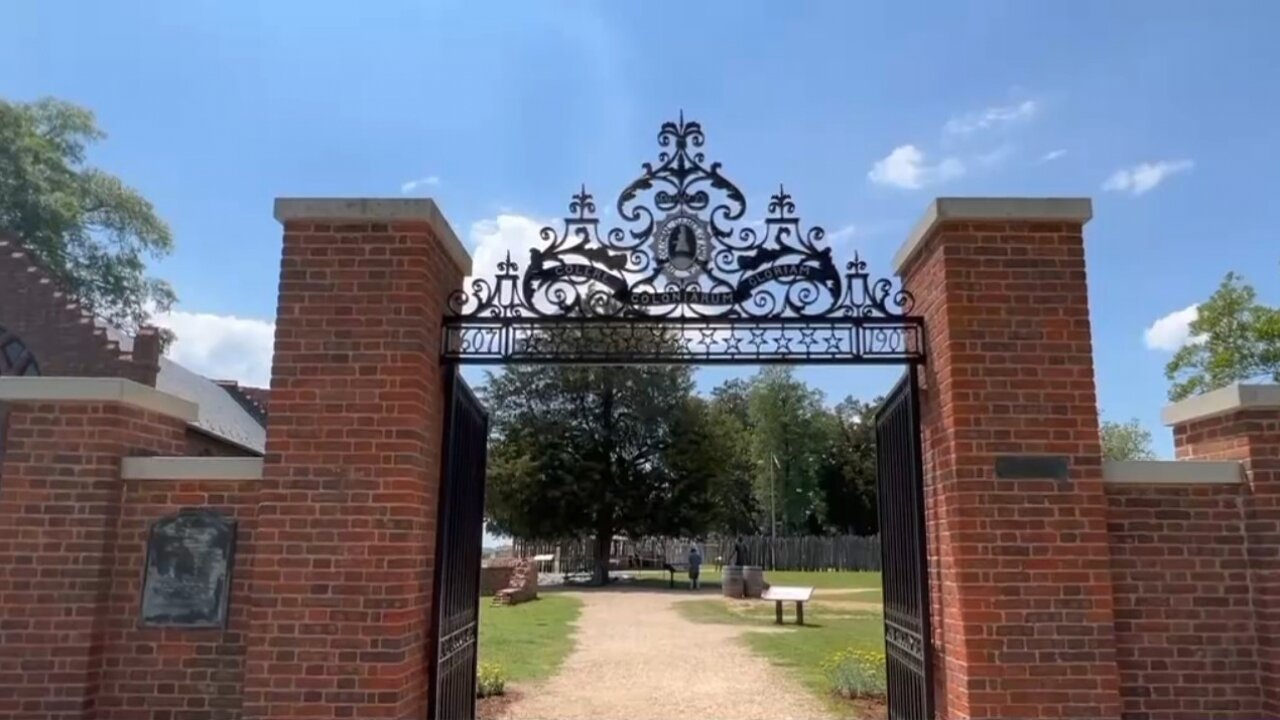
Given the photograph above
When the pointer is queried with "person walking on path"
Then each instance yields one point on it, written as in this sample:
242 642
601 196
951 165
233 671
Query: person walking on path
695 565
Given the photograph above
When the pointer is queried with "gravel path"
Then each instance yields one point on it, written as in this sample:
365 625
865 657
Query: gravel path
637 657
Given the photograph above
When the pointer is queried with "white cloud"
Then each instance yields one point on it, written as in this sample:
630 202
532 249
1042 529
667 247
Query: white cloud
991 117
410 186
995 157
842 234
1140 178
905 167
1052 155
493 238
222 347
1172 331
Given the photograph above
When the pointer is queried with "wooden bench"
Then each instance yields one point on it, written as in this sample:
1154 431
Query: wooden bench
780 594
672 569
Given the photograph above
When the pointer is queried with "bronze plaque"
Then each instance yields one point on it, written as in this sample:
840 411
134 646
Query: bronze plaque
1032 467
188 570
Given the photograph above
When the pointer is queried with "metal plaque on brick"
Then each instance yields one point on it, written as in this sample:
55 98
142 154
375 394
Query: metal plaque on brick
1032 467
187 576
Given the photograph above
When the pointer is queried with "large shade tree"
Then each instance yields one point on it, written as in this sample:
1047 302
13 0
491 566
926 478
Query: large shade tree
595 452
86 226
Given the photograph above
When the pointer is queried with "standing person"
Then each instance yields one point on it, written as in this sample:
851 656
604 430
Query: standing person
739 552
695 565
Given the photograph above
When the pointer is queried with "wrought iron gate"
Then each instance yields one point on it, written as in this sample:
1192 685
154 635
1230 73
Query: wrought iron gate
685 279
458 547
900 483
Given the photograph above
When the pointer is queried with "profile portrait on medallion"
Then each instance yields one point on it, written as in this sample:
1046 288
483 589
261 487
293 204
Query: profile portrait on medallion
682 245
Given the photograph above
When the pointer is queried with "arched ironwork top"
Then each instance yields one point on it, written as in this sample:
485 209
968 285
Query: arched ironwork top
680 259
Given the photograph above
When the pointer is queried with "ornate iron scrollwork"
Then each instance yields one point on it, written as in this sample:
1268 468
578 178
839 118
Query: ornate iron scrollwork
902 640
457 641
680 268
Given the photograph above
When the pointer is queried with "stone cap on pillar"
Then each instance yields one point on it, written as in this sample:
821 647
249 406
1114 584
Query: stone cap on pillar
96 389
386 210
989 208
1222 401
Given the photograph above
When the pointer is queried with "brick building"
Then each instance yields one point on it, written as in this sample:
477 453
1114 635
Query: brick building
44 332
1116 590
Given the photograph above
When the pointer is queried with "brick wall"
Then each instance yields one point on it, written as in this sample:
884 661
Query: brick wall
1252 436
496 575
183 674
1186 640
66 341
1022 581
4 431
60 503
1224 437
936 452
60 333
345 539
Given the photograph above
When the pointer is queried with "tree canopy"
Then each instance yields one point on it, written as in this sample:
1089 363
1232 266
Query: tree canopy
1126 441
1233 338
848 478
791 432
595 451
604 451
86 226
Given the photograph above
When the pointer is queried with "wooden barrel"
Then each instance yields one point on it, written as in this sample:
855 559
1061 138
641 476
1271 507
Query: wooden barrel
732 584
752 581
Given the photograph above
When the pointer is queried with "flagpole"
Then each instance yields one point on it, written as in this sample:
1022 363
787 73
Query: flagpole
773 514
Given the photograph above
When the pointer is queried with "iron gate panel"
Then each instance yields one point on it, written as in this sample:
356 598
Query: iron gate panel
684 279
900 490
458 548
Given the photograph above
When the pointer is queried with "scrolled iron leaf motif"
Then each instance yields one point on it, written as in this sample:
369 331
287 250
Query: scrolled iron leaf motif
679 257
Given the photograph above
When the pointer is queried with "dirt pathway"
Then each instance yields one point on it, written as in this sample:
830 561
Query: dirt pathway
637 657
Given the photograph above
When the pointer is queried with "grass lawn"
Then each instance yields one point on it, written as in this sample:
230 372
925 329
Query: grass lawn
803 650
836 619
529 640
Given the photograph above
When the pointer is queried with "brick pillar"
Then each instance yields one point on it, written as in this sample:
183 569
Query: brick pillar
1019 560
344 546
1242 422
60 492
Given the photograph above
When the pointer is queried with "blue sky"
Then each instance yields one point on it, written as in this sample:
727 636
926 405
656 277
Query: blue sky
1163 112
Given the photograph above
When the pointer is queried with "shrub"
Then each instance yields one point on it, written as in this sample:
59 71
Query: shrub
856 673
491 680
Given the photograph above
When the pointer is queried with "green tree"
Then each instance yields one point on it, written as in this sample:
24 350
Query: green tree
791 432
595 452
1126 441
725 451
88 228
1235 338
848 476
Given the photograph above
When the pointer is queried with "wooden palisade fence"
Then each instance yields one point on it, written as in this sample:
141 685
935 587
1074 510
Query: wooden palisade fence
840 552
